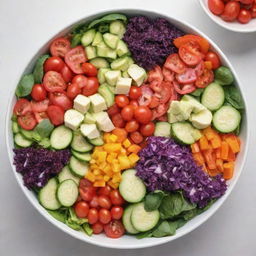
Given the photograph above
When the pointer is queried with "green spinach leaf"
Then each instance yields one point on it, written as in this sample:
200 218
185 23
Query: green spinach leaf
39 69
44 128
234 98
153 200
59 215
25 85
73 221
76 40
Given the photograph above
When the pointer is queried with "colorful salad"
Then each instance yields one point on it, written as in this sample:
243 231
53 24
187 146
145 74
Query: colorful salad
127 125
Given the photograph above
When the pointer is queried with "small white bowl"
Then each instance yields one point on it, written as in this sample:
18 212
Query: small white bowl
233 26
128 242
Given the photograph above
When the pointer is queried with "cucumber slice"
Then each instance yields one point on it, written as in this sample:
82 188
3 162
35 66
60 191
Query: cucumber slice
80 144
183 132
163 129
120 64
67 193
21 141
47 195
90 52
97 142
106 52
213 97
131 187
15 127
122 49
127 220
66 174
110 40
99 63
78 167
101 75
27 134
97 39
61 137
202 119
86 157
117 27
226 119
108 96
143 220
88 37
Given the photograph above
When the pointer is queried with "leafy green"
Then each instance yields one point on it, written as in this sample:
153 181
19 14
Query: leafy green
198 92
44 128
76 40
103 28
234 98
73 221
87 229
25 85
224 76
59 215
39 69
153 200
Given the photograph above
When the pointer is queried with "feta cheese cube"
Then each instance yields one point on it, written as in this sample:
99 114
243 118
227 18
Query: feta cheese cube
123 85
98 103
137 73
90 131
81 103
73 119
112 76
103 122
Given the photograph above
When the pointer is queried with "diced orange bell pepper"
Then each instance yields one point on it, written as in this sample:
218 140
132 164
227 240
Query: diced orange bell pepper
134 158
231 155
113 185
90 176
228 170
213 172
124 162
233 143
102 156
219 164
120 133
209 133
209 159
203 142
217 153
116 167
224 150
199 158
99 183
134 149
106 178
216 141
112 138
195 148
112 147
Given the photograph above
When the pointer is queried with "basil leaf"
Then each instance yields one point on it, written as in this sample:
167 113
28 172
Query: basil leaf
38 72
234 98
153 200
44 128
87 229
25 85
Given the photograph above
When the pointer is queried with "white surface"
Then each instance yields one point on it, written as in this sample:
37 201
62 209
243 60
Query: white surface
22 230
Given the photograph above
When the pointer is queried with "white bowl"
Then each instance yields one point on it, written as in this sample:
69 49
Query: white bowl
128 242
233 26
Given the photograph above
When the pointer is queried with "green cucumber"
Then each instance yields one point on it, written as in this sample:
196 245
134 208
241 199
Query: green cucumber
67 192
77 167
61 137
97 141
15 127
88 37
120 64
108 96
101 75
66 174
80 144
97 39
127 220
117 27
21 141
86 157
90 52
183 132
163 129
110 40
99 62
122 49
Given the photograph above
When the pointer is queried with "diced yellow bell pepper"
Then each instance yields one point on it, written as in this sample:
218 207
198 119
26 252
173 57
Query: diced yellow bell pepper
106 137
117 177
99 183
96 172
116 167
123 151
90 176
112 147
133 158
102 166
124 162
106 178
92 161
113 185
127 143
113 138
99 177
94 166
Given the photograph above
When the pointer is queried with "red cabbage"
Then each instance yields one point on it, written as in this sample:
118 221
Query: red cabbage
168 166
38 165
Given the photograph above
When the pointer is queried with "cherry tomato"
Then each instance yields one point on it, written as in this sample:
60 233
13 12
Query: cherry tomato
244 16
54 82
105 190
27 121
81 209
114 229
104 202
199 69
67 74
118 121
214 59
134 103
136 137
89 69
91 87
190 53
116 198
147 129
86 190
231 11
135 92
104 216
39 106
61 99
183 88
81 80
188 77
97 228
114 109
127 113
74 59
38 92
54 64
145 98
216 6
253 10
143 114
116 212
73 90
22 106
93 216
59 47
174 63
121 101
94 203
40 116
132 126
246 1
206 78
56 114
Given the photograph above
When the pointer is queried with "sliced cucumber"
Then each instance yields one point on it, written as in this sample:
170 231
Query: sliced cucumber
86 157
131 187
127 220
61 137
117 27
226 119
202 119
213 96
108 96
47 195
121 63
163 129
88 37
15 127
97 142
78 167
90 52
66 174
106 52
183 132
110 40
80 144
67 192
143 220
101 75
122 49
21 141
97 39
99 63
27 134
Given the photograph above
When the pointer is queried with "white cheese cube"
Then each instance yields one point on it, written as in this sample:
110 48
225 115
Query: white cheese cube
98 103
90 131
103 121
137 73
123 85
81 103
73 119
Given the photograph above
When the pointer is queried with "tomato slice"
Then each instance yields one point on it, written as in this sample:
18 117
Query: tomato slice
168 74
174 63
190 53
145 98
183 89
155 78
27 121
188 77
60 99
39 106
155 101
54 82
114 229
206 78
160 110
199 69
75 58
56 114
60 46
163 118
22 106
40 116
165 93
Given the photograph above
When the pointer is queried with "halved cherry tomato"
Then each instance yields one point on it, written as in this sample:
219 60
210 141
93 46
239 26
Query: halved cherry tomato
253 10
38 92
136 137
206 78
104 201
116 197
188 77
54 82
121 100
81 209
74 58
61 99
54 63
134 103
114 229
40 116
160 110
246 1
190 53
59 47
155 101
97 228
73 90
147 129
91 87
89 69
56 114
244 16
214 59
94 203
81 80
105 190
104 216
118 121
168 74
93 216
86 190
114 109
183 89
216 6
174 63
135 92
143 114
127 112
199 69
39 106
132 126
116 212
165 93
231 11
155 78
145 98
27 121
67 74
22 106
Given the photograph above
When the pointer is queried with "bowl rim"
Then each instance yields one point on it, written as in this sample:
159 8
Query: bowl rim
76 234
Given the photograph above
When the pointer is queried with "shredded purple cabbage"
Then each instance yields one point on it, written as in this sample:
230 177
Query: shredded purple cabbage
150 40
38 165
168 166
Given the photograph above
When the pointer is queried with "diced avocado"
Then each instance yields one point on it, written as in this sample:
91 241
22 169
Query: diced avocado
179 111
112 76
122 48
104 51
137 73
120 64
108 96
110 40
197 106
174 107
125 74
89 119
97 39
101 75
99 62
117 27
186 109
88 37
90 52
202 119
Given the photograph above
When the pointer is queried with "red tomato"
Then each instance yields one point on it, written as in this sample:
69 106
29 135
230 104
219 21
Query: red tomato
231 11
93 216
97 228
155 77
135 92
104 216
89 69
168 74
81 80
188 77
74 58
22 106
91 87
81 209
60 99
27 121
56 114
244 16
132 126
199 69
206 78
118 121
155 101
246 1
105 190
136 137
216 6
40 106
54 64
183 89
59 47
73 90
214 59
143 114
38 92
174 63
166 92
253 10
147 129
146 96
116 212
134 103
121 100
160 110
190 53
54 82
104 202
114 229
86 190
116 198
94 203
40 116
127 113
163 118
114 109
67 74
